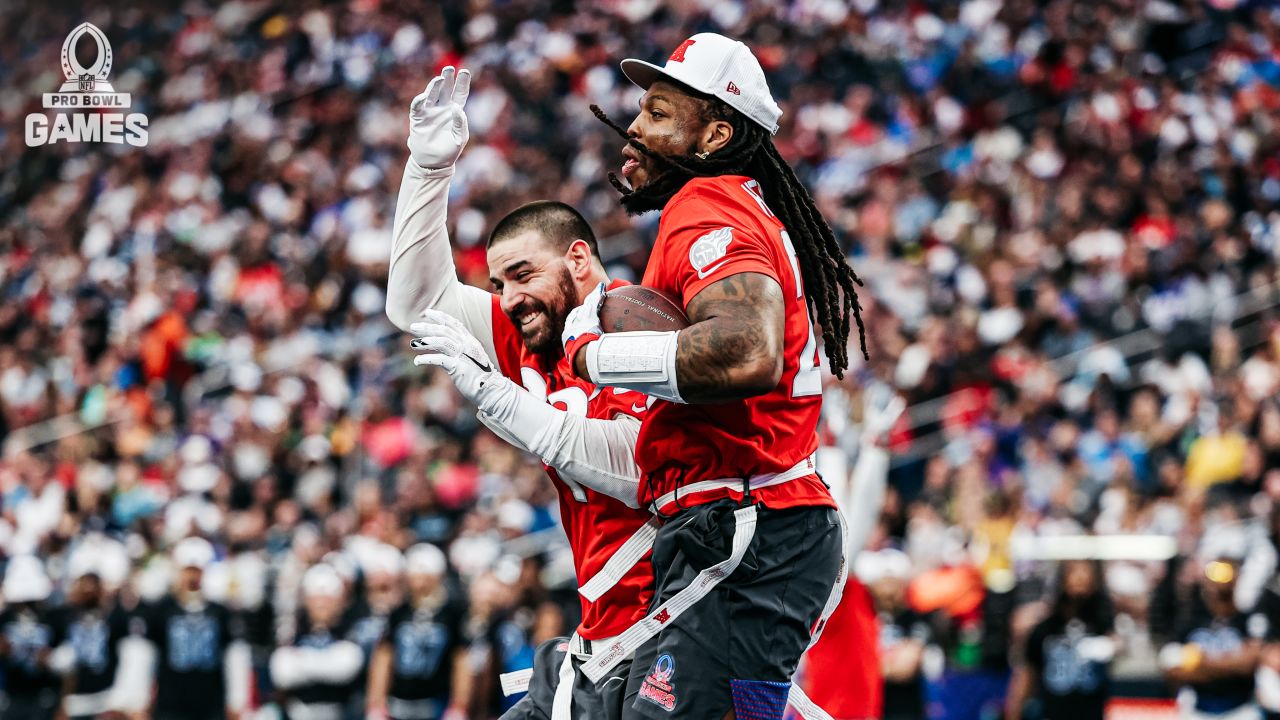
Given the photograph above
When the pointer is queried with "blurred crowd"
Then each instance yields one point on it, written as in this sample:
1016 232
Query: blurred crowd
1066 215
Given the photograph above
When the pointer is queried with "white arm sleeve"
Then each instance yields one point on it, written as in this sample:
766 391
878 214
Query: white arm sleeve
238 666
1258 569
286 667
865 497
422 274
596 453
337 664
131 692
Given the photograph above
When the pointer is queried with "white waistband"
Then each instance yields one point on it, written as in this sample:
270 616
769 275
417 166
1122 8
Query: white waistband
641 541
805 467
583 648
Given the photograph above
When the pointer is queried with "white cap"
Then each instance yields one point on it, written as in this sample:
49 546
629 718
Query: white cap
871 567
713 64
342 563
1224 542
425 559
25 580
80 564
193 552
322 580
99 555
383 558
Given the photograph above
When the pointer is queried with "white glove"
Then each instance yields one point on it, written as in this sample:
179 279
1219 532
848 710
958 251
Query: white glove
584 319
878 421
437 125
444 342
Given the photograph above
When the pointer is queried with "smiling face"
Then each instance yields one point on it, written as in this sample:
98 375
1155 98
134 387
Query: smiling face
674 123
536 285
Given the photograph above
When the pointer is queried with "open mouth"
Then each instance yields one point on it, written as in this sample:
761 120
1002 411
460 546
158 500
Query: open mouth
631 161
529 318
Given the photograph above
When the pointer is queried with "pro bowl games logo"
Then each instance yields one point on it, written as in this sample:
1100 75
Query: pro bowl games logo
88 90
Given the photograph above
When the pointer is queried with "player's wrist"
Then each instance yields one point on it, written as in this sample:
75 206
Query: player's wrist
576 350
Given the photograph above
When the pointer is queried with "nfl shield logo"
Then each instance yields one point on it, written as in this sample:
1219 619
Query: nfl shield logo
87 82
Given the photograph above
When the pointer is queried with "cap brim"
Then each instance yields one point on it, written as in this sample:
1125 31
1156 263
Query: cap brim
641 73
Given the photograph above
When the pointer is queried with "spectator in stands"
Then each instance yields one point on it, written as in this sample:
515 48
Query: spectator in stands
31 687
420 667
1065 211
316 673
369 615
87 634
200 670
1218 645
904 633
1066 672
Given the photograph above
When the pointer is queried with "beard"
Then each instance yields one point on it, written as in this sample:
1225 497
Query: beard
544 340
664 179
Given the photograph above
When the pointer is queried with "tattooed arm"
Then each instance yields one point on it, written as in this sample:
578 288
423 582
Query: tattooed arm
733 348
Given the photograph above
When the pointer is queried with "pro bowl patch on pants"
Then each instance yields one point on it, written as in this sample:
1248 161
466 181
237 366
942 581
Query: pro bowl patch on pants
658 687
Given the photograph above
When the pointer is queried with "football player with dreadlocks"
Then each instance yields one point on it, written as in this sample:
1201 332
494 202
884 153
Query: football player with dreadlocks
748 564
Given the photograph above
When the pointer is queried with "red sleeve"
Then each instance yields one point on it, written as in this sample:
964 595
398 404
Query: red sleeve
707 240
507 343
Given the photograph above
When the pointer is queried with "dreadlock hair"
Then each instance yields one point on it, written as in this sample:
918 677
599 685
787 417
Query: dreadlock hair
830 283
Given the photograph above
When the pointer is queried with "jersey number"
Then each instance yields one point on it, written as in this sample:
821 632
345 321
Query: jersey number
808 379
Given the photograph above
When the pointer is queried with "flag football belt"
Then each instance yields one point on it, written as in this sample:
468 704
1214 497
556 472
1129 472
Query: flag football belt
680 497
744 530
609 652
640 542
517 681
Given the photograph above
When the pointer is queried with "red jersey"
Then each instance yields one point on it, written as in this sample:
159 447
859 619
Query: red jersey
713 228
598 525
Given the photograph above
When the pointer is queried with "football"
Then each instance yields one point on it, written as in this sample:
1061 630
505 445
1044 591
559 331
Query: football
635 307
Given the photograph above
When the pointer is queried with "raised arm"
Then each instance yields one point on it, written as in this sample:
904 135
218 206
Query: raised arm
868 482
422 275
